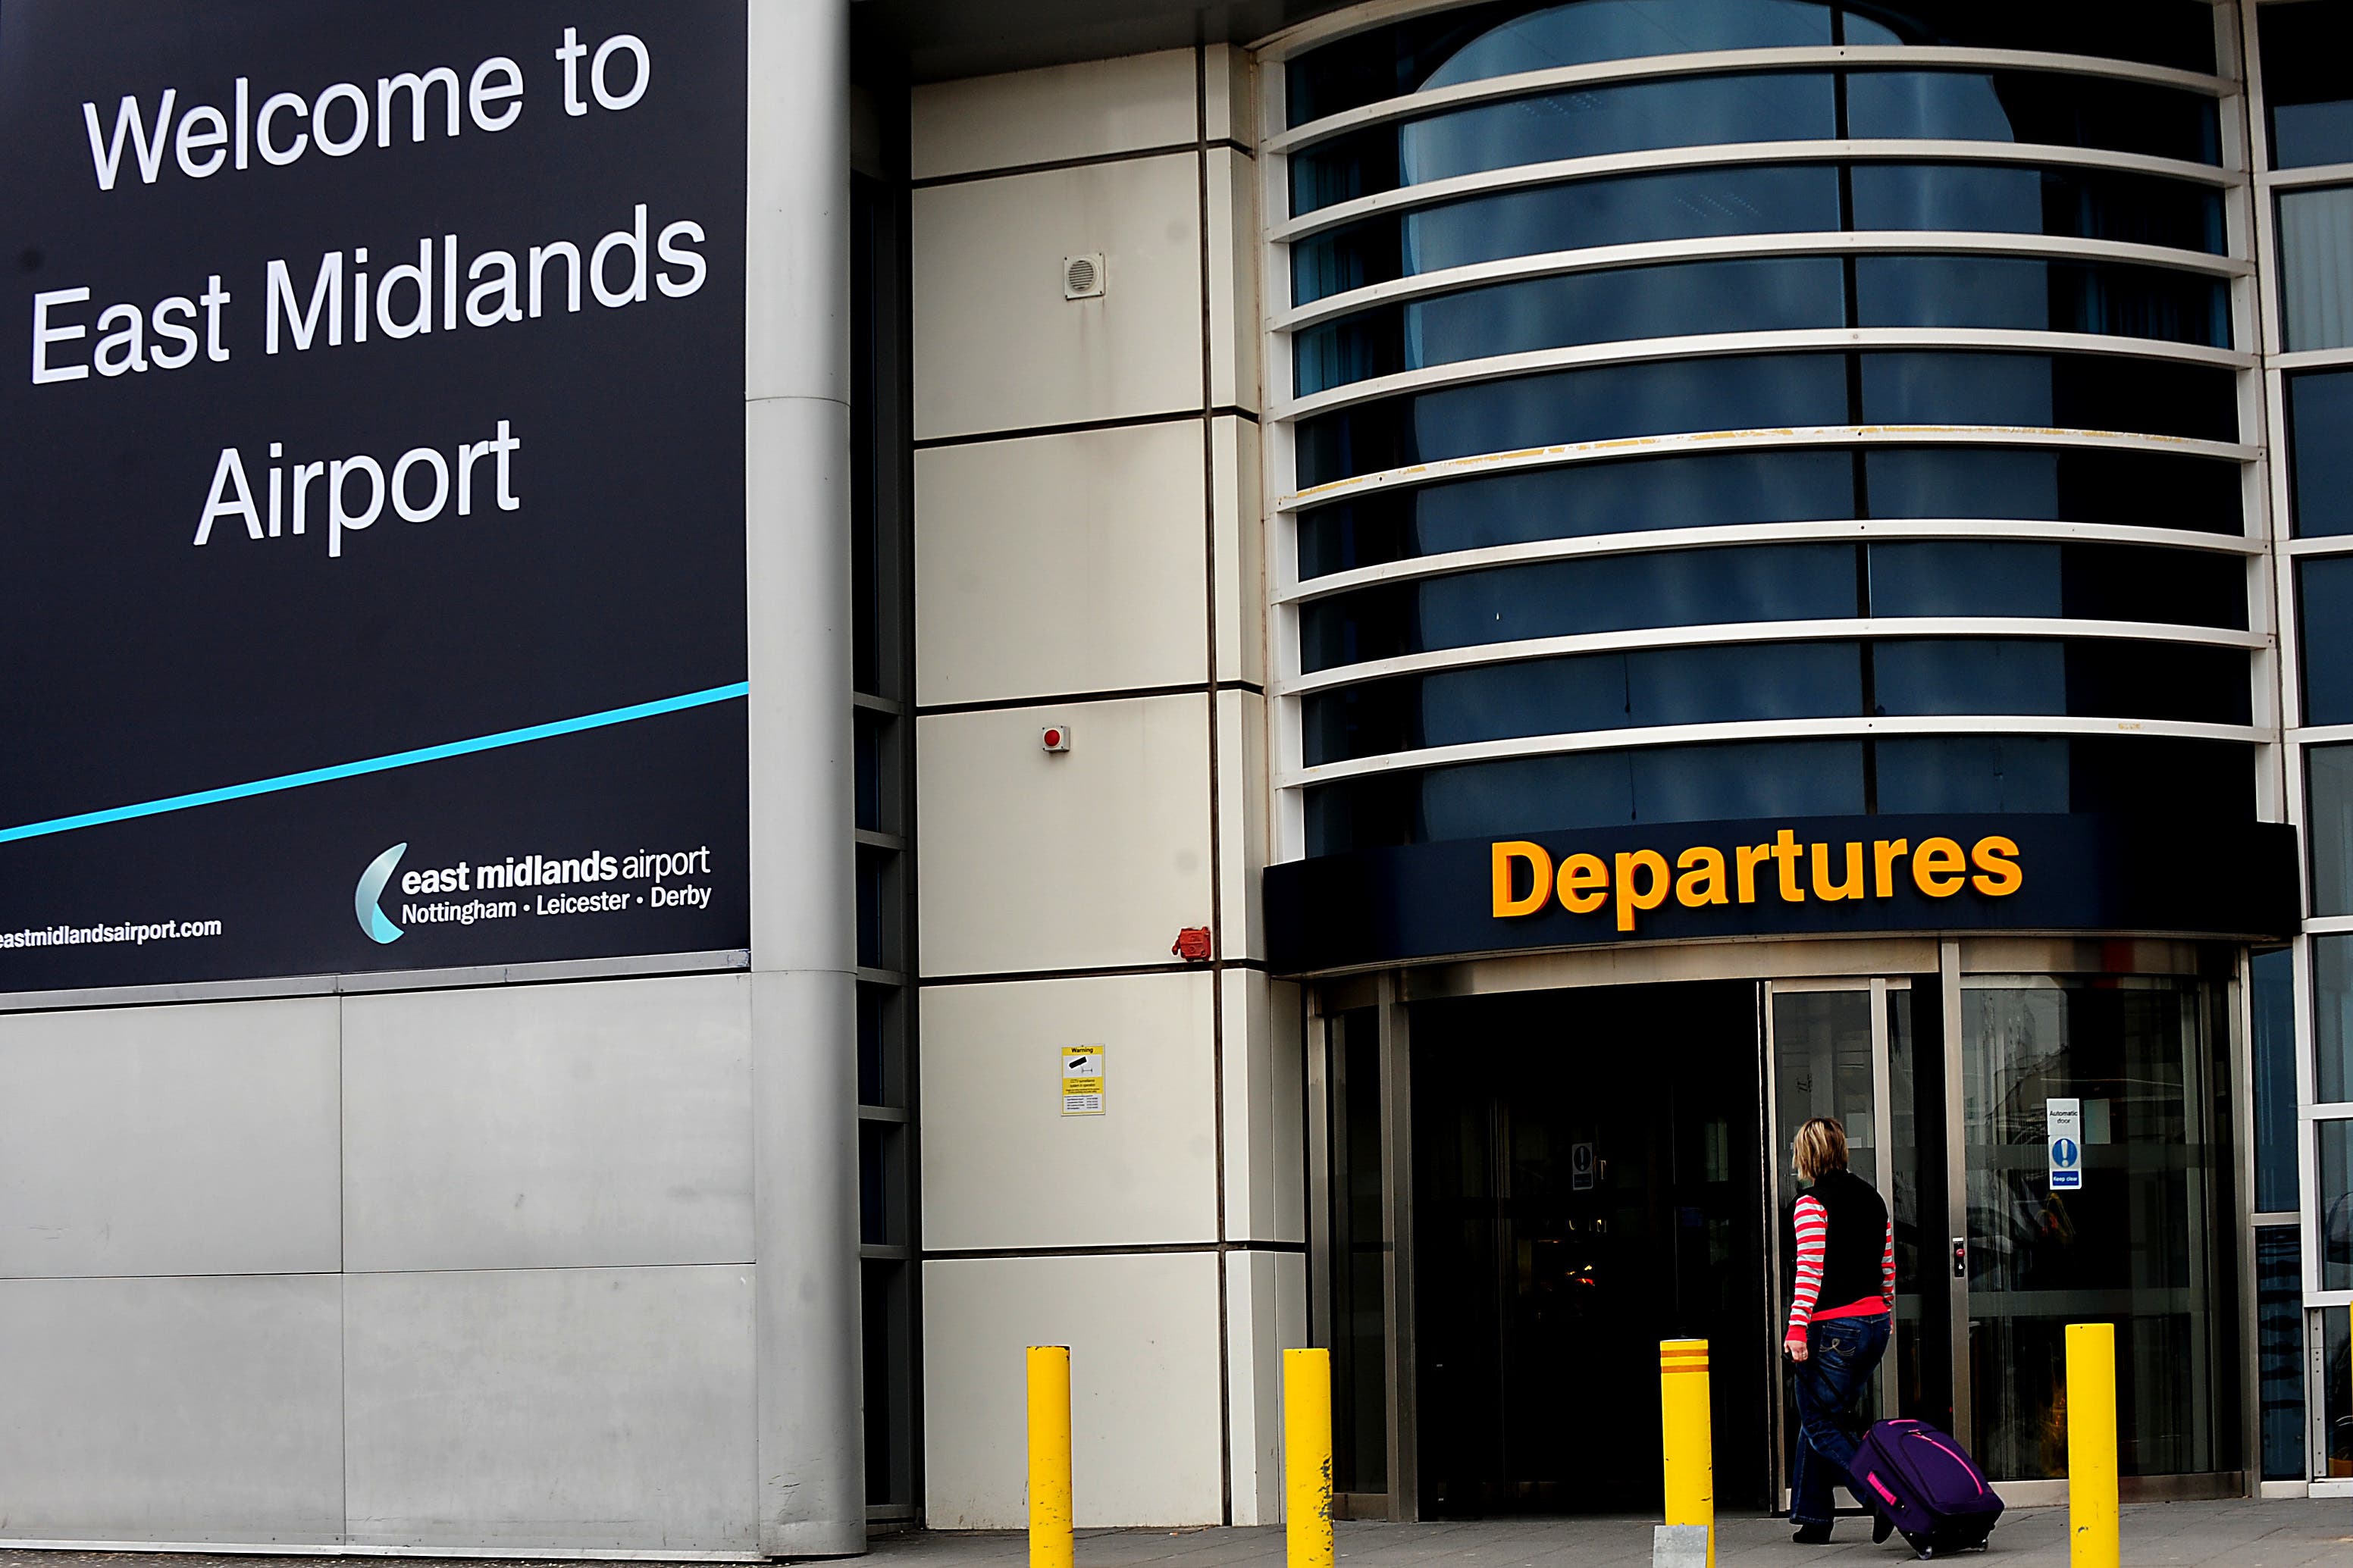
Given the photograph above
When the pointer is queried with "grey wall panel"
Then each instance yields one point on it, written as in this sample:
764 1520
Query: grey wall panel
604 1124
552 1409
183 1410
163 1141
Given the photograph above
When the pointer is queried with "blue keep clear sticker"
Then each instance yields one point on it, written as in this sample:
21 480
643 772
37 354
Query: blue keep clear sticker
2064 1132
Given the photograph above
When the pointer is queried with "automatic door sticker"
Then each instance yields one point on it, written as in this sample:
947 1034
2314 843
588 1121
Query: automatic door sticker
1083 1080
2065 1120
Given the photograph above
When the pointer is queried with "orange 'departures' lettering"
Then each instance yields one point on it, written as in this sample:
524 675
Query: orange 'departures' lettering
1635 881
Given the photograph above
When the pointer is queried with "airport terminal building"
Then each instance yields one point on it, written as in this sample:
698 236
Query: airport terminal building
717 709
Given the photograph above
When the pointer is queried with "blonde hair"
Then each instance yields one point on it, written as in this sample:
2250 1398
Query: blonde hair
1821 1148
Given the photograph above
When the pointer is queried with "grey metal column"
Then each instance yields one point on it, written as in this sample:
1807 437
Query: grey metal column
1397 1222
1957 1176
812 1482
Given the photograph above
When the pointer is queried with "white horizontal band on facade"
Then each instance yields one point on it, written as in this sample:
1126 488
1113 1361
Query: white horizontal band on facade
1689 442
1723 345
2323 544
1849 728
1723 633
2320 734
1733 155
2314 175
2310 359
1724 535
1747 246
1728 62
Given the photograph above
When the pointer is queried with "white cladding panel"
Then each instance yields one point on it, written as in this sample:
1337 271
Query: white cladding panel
1003 1167
1143 1333
551 1126
172 1410
165 1141
1081 111
553 1409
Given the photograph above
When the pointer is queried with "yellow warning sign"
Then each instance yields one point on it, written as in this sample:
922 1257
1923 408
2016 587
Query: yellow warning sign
1083 1080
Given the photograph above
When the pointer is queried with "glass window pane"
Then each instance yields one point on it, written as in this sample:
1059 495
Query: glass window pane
1927 775
2010 199
2332 1024
2325 593
1575 500
2279 1349
2159 32
2274 1053
2042 296
1779 295
1566 598
2328 827
1499 39
1769 392
2043 484
1695 112
1624 210
2305 88
2320 436
1589 789
1964 577
1954 675
2315 240
2336 1205
2034 107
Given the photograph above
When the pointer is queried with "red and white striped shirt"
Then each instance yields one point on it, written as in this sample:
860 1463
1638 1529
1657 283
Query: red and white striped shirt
1813 1227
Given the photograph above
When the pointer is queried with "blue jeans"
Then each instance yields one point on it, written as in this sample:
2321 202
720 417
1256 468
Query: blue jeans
1842 1354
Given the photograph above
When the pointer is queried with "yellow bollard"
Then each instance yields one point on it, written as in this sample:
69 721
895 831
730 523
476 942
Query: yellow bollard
1307 1457
2092 1446
1690 1441
1049 1457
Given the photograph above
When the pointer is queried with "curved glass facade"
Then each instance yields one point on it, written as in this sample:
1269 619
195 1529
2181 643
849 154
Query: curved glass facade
1570 260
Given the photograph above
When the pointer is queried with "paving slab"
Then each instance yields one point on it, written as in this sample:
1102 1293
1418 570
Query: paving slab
2277 1534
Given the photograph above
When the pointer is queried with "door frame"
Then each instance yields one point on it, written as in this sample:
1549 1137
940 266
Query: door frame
1834 964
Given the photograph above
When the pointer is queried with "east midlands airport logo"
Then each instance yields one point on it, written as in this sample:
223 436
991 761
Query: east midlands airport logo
370 889
663 876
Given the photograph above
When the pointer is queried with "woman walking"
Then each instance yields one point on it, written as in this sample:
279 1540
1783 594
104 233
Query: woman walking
1839 1322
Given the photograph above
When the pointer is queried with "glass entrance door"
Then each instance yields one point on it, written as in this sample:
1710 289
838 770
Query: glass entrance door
1853 1050
2132 1235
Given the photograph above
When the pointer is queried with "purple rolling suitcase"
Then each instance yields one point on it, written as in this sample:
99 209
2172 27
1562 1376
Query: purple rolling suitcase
1925 1484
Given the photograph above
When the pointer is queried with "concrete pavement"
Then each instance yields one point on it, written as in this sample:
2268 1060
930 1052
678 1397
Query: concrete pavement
2156 1535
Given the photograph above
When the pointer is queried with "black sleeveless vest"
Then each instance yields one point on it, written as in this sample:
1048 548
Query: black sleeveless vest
1857 1242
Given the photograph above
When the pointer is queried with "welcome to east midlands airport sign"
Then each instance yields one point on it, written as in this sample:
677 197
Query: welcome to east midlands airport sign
371 486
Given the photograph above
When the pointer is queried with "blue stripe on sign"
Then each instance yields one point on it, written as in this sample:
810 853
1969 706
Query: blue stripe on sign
380 764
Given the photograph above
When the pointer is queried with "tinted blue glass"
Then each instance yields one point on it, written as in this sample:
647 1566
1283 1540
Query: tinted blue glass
1966 676
2176 33
1564 598
2320 435
2077 391
2325 591
1597 691
2328 827
1624 210
1564 406
2280 1351
1964 577
2031 295
2038 485
1483 41
2080 392
2274 1005
1580 307
2033 108
2332 1043
1577 500
1681 783
2009 199
2085 678
1632 116
2304 86
1973 773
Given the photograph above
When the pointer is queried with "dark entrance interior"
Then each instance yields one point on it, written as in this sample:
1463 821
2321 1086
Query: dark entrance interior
1586 1183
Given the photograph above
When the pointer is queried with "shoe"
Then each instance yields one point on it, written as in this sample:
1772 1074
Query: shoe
1811 1535
1882 1527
